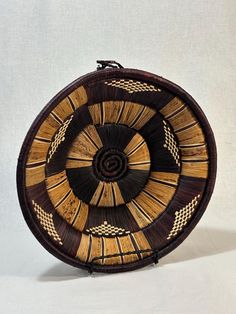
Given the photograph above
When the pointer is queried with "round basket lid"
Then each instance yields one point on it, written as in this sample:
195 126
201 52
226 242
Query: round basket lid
116 170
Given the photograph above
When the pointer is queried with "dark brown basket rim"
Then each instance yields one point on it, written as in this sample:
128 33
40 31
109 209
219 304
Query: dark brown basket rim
104 74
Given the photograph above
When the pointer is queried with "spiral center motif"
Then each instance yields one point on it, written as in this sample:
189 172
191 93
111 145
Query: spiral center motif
109 164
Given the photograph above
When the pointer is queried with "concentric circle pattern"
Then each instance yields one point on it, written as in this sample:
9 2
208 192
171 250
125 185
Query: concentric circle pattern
115 169
110 157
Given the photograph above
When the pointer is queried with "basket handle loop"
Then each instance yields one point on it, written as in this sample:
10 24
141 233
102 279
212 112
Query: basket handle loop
102 64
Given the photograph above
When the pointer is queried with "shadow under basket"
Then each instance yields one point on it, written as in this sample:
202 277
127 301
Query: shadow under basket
116 170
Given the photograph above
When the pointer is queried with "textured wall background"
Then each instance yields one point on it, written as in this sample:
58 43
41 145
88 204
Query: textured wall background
47 44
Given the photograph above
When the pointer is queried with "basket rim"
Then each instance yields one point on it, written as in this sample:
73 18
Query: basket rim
109 74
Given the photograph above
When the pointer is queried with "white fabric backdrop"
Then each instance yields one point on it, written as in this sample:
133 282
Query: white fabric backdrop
47 44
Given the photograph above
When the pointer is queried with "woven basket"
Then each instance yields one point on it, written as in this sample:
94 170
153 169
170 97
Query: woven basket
116 170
